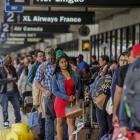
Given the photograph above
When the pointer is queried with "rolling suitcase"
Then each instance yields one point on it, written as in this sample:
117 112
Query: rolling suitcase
87 133
87 130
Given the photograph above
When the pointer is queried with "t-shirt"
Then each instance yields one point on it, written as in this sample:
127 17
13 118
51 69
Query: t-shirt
114 82
93 64
121 75
10 86
82 65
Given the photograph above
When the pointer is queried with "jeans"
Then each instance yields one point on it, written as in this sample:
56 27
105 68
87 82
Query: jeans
12 97
105 122
49 120
94 113
50 131
4 105
42 130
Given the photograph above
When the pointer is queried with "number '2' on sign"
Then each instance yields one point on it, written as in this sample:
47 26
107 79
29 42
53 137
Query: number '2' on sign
10 18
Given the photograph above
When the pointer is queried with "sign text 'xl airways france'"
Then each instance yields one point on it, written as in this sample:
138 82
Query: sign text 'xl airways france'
45 17
58 17
89 2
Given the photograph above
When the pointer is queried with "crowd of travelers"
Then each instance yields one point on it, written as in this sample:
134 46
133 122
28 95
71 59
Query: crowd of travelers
50 81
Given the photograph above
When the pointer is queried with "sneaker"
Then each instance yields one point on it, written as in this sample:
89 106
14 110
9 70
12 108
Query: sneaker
6 124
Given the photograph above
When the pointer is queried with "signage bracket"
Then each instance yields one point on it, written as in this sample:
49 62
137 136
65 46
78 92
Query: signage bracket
86 9
49 8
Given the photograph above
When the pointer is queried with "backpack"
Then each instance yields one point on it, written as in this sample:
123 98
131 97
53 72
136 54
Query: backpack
131 94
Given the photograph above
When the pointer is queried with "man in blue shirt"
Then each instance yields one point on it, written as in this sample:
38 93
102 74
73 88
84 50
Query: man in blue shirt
32 72
82 64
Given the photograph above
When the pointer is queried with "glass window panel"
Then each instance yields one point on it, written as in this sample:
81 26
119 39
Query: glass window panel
108 42
118 43
96 45
124 40
105 44
137 34
113 45
130 36
100 45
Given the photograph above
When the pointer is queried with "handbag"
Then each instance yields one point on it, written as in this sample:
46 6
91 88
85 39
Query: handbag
34 119
117 135
100 101
74 109
27 102
116 131
109 106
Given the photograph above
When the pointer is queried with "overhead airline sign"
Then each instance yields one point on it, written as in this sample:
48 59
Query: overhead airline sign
7 27
20 41
27 35
89 2
27 40
24 37
39 17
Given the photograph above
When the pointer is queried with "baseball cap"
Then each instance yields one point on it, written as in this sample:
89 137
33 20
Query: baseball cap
135 51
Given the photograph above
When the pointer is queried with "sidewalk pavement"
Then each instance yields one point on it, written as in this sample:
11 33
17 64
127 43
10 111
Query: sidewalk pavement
11 116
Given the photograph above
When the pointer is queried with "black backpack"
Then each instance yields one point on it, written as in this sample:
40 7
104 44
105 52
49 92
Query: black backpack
131 92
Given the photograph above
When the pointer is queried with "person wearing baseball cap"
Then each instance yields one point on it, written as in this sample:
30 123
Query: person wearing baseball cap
135 51
123 118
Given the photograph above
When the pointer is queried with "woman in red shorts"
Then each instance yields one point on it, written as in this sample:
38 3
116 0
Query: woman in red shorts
65 86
